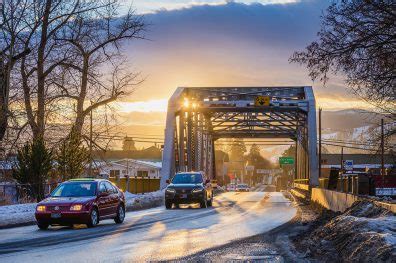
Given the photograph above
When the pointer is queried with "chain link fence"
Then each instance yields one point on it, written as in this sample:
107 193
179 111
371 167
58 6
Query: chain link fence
13 193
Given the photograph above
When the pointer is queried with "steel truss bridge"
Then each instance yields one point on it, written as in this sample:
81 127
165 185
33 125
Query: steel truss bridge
198 116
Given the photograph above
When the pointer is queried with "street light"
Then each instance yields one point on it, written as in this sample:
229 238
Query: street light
186 103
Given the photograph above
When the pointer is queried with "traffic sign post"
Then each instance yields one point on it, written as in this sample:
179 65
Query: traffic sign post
286 160
348 165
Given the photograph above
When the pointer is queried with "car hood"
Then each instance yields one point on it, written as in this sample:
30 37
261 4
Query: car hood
184 186
66 200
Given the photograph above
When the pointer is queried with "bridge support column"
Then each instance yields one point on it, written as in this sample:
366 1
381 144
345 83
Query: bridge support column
312 139
168 154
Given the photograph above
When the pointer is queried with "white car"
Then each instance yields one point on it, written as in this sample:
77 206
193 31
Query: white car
231 187
242 188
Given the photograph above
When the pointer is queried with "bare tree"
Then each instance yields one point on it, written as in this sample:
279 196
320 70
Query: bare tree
357 40
12 26
45 19
74 64
95 38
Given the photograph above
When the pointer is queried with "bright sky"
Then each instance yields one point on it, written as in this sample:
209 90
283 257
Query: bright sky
148 6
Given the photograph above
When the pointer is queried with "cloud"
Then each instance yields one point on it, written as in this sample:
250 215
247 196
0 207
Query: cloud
153 6
233 44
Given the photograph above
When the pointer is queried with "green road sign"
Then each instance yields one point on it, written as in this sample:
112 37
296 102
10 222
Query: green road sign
286 160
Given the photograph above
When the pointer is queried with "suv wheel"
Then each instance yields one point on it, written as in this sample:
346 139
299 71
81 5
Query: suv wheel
168 204
210 202
120 214
203 203
42 226
93 218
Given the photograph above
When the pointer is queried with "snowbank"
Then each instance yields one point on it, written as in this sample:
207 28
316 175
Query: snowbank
17 214
362 233
21 214
146 200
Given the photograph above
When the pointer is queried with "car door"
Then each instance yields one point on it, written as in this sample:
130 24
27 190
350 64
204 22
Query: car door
103 200
113 198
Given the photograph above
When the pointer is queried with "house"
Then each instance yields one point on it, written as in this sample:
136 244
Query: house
129 167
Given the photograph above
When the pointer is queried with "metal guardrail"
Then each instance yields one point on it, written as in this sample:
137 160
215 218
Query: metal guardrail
302 184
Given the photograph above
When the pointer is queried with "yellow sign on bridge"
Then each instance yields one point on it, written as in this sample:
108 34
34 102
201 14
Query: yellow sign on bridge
262 101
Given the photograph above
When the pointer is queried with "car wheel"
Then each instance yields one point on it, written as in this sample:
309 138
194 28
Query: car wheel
120 214
43 226
203 203
168 204
93 218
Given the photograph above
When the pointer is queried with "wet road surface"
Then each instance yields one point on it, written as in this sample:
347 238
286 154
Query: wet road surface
153 234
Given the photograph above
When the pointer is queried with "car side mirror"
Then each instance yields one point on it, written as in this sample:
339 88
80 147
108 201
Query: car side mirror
167 181
207 181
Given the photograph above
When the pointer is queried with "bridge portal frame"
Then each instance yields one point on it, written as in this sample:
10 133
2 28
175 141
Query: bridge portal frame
229 112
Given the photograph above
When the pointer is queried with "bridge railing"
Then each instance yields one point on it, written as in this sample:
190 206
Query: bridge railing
302 184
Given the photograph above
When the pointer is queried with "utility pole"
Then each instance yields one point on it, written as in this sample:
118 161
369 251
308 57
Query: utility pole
90 143
342 158
382 153
320 142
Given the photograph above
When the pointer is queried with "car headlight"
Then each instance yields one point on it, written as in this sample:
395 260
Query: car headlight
40 208
170 190
198 190
76 207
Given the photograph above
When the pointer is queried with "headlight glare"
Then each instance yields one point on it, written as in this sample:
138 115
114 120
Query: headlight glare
171 190
40 208
76 207
198 190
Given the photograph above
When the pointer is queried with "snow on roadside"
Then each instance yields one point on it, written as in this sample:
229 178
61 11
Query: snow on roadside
17 214
363 232
13 215
146 200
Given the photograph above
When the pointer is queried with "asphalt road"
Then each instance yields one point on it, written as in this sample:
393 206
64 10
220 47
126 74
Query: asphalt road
153 234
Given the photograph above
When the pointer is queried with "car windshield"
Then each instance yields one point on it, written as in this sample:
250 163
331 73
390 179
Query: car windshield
187 179
77 189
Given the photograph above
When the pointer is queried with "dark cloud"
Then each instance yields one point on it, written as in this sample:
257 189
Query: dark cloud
288 25
232 44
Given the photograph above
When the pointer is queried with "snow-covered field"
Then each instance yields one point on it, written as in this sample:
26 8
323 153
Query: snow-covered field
24 213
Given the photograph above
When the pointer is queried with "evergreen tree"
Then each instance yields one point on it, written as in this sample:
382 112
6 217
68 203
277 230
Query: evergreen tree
255 159
34 165
128 144
71 157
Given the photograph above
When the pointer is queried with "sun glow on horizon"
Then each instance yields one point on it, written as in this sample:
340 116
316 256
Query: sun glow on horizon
161 105
158 105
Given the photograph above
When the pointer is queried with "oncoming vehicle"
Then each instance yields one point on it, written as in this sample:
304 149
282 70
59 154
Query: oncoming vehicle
242 188
187 188
81 201
231 187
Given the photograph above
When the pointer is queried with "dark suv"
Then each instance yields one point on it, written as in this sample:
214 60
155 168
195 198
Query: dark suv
81 201
187 188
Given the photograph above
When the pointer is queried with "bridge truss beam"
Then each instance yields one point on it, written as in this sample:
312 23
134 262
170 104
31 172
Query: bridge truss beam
197 117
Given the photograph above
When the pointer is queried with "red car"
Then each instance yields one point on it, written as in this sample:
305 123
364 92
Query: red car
81 201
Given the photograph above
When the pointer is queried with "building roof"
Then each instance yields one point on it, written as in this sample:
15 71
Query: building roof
156 165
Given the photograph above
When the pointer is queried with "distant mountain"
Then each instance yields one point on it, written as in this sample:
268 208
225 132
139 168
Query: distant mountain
346 120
